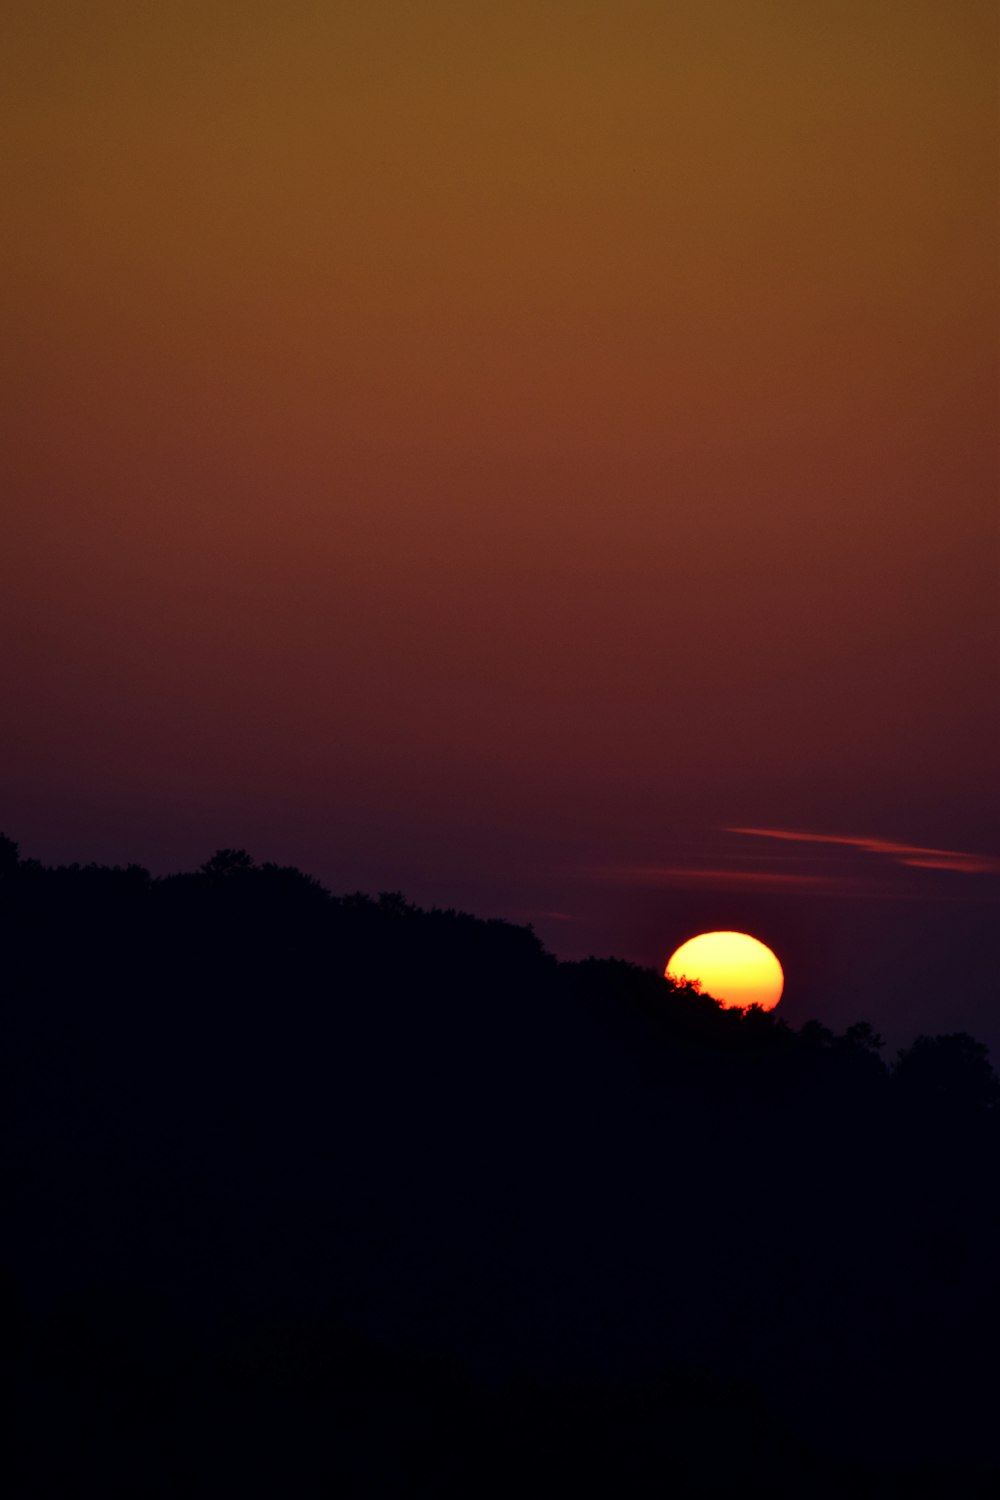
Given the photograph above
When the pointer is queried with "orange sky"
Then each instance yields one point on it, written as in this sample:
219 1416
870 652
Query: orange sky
448 439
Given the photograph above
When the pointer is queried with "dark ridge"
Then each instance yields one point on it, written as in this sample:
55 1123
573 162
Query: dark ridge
316 1194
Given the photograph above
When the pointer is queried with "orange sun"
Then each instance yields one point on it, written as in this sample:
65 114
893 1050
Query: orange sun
735 969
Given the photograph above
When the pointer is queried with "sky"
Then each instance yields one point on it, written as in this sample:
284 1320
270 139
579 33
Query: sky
508 452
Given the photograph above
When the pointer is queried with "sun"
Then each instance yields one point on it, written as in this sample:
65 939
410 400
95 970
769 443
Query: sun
733 968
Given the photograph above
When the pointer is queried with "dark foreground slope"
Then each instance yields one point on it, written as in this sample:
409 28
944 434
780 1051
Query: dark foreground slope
333 1196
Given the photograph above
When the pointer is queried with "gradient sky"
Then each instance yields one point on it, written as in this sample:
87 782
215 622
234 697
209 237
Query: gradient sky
491 450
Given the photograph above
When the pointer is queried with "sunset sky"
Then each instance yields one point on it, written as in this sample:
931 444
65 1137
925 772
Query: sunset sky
536 456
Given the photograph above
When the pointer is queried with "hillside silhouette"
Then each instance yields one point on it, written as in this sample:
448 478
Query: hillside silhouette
331 1195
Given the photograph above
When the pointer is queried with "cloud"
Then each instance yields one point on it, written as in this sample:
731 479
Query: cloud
758 880
835 880
916 856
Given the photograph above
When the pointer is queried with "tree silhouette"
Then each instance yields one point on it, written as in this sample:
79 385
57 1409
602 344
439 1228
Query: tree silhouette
950 1074
227 863
8 855
333 1192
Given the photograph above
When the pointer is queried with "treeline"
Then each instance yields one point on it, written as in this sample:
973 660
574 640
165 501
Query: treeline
233 916
242 1105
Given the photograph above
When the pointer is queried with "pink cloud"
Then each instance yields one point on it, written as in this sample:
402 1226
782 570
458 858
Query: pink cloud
761 880
914 855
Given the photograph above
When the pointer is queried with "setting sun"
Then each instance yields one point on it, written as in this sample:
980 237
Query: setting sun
734 968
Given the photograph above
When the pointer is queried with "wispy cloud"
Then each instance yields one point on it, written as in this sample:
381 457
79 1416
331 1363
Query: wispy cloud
756 873
916 856
757 880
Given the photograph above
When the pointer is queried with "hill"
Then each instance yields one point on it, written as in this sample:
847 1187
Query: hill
332 1194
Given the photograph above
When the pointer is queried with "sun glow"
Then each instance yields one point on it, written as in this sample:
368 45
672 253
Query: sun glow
734 968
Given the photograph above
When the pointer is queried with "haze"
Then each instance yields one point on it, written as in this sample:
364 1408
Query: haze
489 451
